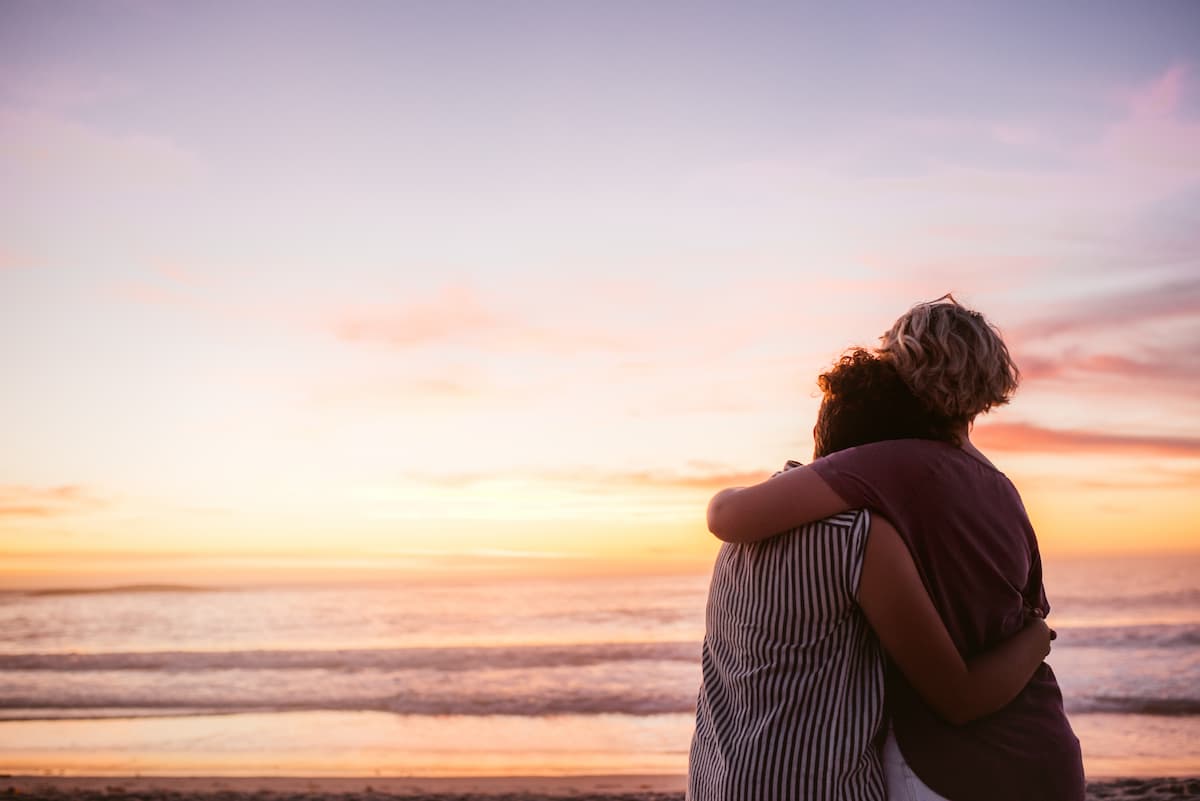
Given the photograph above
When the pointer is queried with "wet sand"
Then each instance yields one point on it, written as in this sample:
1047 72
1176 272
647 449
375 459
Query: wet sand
509 788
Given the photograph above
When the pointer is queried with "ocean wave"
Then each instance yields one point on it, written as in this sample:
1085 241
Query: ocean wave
634 705
351 660
585 679
132 589
1136 705
1179 598
428 700
632 688
1162 635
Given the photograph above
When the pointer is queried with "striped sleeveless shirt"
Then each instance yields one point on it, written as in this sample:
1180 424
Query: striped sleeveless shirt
791 696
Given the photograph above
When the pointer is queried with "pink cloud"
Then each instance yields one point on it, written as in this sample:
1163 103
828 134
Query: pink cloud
151 295
1170 300
8 260
1154 135
62 88
405 392
47 148
459 314
1160 97
1169 367
453 312
1025 437
12 259
178 274
172 286
630 479
704 481
67 499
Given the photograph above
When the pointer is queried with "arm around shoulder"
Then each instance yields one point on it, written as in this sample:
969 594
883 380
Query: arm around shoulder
898 607
790 499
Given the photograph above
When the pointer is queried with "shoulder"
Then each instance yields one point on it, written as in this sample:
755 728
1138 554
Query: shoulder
896 448
852 520
887 454
844 529
842 521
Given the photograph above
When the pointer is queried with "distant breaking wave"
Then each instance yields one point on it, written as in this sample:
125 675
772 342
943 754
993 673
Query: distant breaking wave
129 588
351 660
632 679
570 701
473 701
1136 705
1183 598
589 679
1163 635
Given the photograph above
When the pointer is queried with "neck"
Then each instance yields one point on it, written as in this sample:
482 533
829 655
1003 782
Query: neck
964 442
963 435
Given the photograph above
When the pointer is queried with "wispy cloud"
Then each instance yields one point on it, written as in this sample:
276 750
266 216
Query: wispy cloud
454 312
1026 437
1166 300
1150 478
9 260
61 88
176 273
52 150
406 391
1105 344
711 479
171 285
46 137
461 314
1175 366
1154 133
679 480
41 502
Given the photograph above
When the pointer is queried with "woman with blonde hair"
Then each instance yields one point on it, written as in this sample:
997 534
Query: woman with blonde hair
966 529
952 359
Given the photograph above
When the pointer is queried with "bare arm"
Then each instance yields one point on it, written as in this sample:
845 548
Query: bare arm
898 607
790 499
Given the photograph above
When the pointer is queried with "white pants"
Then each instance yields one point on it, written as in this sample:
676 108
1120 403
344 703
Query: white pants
902 783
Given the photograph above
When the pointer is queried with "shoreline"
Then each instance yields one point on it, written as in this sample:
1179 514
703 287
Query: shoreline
655 787
560 786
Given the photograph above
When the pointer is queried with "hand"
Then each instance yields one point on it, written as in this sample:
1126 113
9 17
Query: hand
791 465
1037 618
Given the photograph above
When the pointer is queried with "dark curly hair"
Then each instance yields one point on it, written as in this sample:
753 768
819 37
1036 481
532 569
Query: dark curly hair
865 401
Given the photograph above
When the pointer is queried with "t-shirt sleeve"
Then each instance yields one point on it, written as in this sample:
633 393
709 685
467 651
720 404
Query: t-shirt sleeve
1035 591
866 476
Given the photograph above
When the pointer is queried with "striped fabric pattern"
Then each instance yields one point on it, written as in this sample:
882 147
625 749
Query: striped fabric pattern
791 699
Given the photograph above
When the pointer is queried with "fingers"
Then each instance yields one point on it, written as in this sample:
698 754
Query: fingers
1033 613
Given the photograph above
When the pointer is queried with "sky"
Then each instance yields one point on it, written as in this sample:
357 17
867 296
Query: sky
516 286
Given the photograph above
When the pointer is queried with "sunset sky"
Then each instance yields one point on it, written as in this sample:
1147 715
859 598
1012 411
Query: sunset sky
507 285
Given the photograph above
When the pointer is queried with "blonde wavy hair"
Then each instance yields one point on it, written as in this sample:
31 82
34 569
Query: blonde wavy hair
952 359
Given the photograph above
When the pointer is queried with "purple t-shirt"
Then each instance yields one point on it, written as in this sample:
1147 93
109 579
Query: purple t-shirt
974 546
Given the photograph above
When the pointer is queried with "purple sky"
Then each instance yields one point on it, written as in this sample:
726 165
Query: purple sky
312 277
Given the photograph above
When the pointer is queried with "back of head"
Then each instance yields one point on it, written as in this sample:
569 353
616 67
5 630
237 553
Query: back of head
866 401
953 359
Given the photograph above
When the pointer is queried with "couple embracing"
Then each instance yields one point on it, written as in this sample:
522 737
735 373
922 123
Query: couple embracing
875 623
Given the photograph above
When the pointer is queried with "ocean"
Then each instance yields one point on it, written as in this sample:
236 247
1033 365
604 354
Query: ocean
494 677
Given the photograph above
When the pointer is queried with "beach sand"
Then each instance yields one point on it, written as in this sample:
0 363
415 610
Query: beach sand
510 788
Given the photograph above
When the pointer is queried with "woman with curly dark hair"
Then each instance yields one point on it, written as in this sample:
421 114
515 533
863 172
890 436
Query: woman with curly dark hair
791 703
966 530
